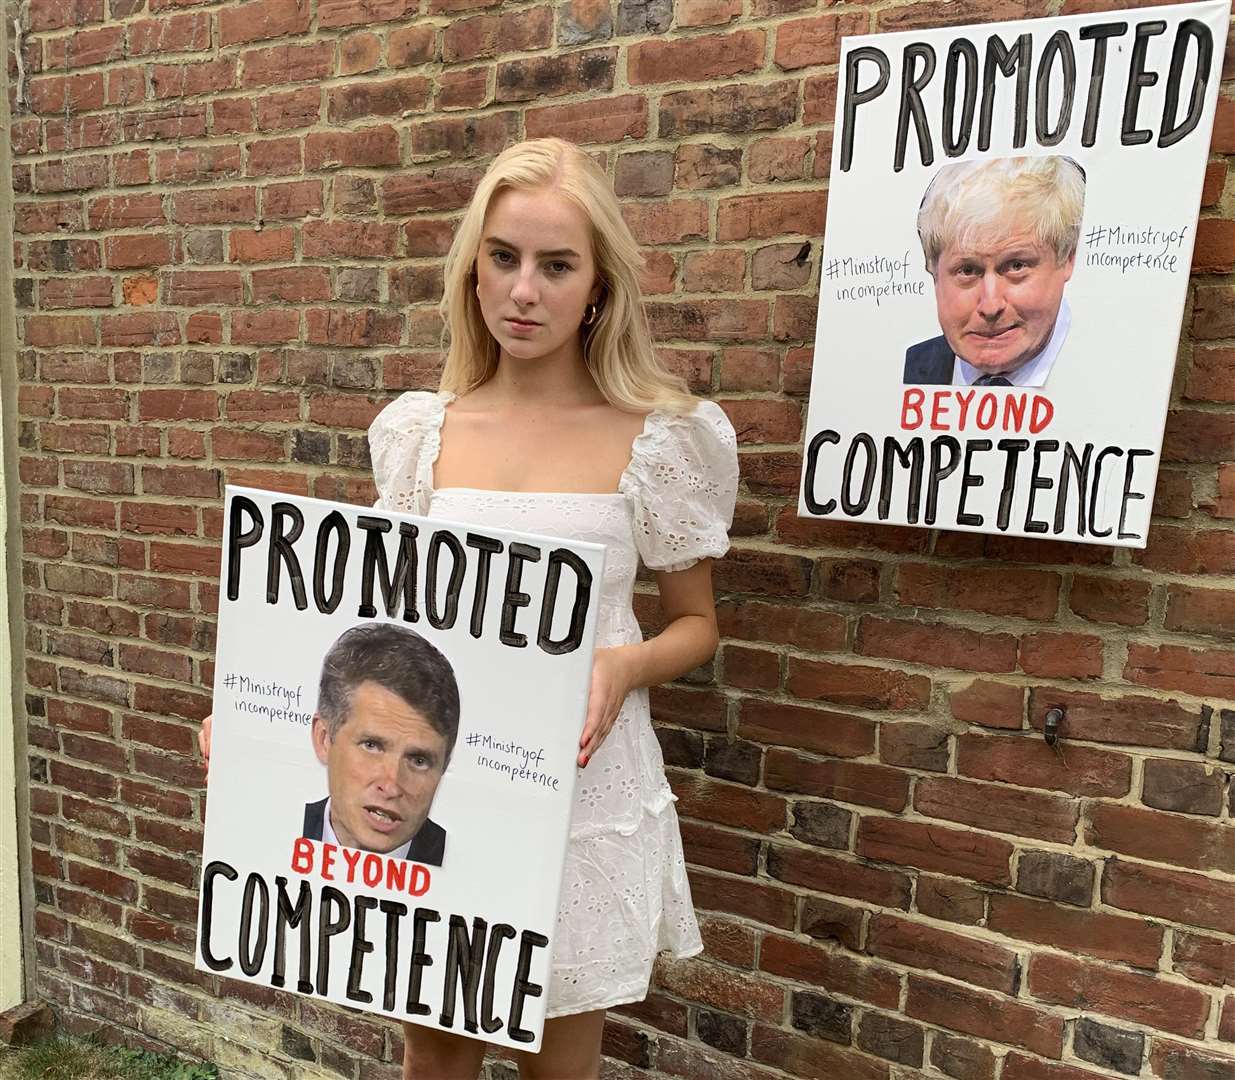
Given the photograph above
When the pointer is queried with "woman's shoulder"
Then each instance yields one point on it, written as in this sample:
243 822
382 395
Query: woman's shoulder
410 413
702 423
693 442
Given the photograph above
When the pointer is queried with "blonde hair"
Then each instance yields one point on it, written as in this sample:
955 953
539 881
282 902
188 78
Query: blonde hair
969 198
617 347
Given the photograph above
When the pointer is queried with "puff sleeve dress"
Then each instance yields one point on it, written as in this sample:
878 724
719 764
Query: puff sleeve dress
625 896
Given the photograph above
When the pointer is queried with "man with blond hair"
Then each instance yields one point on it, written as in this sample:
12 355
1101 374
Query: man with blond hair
1000 239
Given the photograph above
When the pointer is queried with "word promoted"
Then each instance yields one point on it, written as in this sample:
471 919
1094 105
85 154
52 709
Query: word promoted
419 562
469 951
971 72
284 706
522 762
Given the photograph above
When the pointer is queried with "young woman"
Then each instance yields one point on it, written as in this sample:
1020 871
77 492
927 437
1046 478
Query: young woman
555 417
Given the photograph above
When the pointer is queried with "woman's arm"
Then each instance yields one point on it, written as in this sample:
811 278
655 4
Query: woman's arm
688 640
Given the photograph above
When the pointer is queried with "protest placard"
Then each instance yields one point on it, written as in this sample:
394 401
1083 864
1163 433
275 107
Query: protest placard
397 710
1011 216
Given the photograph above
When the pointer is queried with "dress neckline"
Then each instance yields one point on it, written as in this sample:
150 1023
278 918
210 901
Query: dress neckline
445 397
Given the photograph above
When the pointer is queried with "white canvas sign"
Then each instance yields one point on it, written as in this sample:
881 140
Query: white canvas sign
1011 217
397 710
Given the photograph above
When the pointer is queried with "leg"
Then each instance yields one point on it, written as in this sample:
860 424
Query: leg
570 1049
430 1054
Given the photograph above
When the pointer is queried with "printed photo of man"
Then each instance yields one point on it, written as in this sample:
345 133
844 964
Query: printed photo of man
386 721
1000 239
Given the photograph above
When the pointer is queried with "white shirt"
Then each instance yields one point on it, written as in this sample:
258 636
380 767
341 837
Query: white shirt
1036 372
328 837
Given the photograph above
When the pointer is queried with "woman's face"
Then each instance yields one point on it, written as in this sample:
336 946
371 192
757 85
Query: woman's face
535 273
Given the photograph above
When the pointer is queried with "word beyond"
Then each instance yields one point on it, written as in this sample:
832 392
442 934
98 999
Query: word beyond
330 553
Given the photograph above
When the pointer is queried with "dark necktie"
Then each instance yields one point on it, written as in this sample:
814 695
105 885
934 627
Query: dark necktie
991 380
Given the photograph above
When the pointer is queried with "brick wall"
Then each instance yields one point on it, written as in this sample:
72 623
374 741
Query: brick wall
229 223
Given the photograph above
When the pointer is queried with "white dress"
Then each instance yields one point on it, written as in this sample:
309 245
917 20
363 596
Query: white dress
624 896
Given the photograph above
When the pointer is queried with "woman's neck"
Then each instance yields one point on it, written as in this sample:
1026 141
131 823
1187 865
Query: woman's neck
562 380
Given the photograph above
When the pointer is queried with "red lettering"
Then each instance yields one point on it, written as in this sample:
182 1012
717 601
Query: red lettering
912 403
939 410
372 869
964 399
1013 412
988 409
351 857
396 874
1043 413
328 852
420 881
302 856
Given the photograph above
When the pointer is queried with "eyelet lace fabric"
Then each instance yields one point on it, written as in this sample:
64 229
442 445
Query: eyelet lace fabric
625 896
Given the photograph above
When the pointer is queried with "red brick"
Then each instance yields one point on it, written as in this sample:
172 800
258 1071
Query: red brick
753 669
1113 600
1094 933
735 109
1202 611
718 849
817 730
262 19
538 77
1175 1061
746 217
737 896
932 847
1204 959
1027 761
764 421
439 189
1170 894
1214 251
765 573
855 685
837 876
1061 656
721 988
979 963
1027 594
936 644
1018 1067
728 804
802 1056
990 704
718 271
1139 721
667 223
1212 375
809 42
844 781
1162 837
987 1016
1127 995
331 13
997 807
178 404
701 58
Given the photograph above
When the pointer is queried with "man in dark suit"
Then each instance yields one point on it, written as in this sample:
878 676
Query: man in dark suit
386 721
1000 239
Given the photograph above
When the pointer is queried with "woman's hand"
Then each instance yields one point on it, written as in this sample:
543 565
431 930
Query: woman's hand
203 738
612 680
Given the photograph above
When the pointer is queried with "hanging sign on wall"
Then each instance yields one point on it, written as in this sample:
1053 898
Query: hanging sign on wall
1011 217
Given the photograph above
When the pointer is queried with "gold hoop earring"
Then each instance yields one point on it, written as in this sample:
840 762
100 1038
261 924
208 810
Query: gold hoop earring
590 314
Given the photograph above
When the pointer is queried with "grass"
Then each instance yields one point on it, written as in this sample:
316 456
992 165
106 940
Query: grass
64 1058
